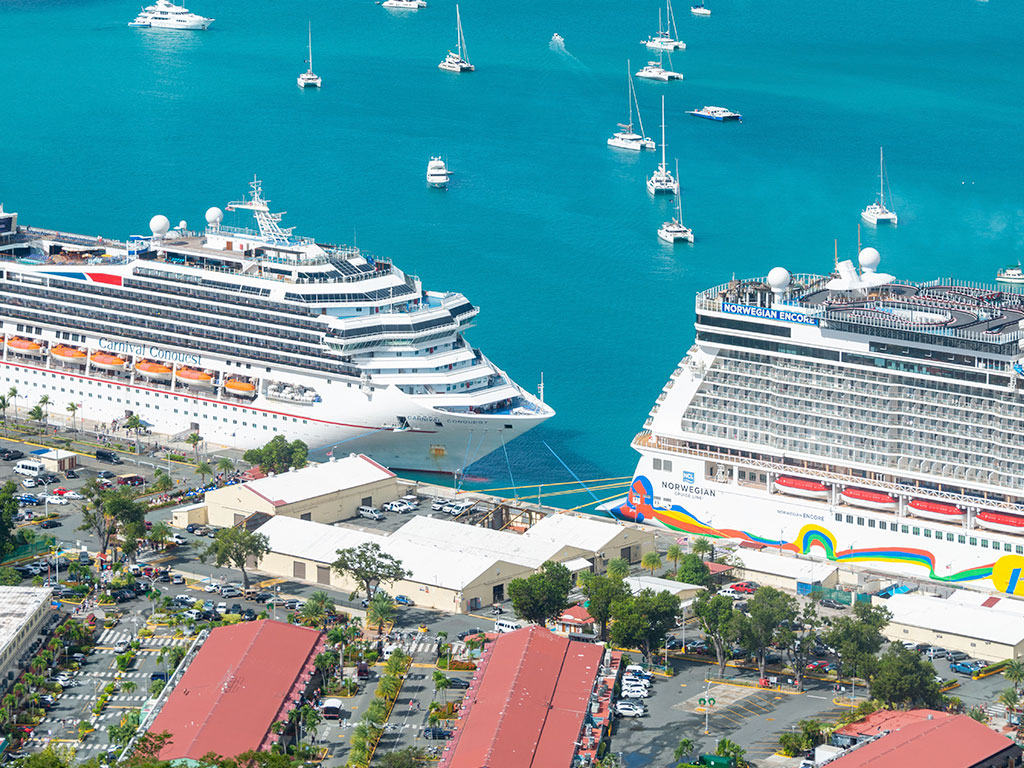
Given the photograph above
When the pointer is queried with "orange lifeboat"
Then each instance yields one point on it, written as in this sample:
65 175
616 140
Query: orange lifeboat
194 377
152 370
106 361
68 354
239 386
24 346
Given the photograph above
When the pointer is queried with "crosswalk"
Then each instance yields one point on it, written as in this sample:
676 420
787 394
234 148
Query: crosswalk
110 637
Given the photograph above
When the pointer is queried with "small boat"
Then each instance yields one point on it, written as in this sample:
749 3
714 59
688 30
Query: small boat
877 212
667 39
307 79
721 114
68 354
1006 522
673 232
654 71
240 386
153 370
459 60
106 361
437 173
404 5
166 15
662 180
625 138
798 486
24 346
934 510
700 10
194 377
861 497
557 40
1011 275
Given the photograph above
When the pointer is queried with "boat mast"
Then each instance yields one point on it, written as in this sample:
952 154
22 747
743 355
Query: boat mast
670 16
639 117
310 62
662 134
881 177
679 199
629 98
463 53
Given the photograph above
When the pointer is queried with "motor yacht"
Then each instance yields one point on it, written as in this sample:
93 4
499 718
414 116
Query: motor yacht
437 173
166 15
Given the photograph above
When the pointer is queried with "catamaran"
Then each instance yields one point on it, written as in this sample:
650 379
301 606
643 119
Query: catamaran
307 79
458 61
662 180
625 138
654 71
673 231
667 39
877 212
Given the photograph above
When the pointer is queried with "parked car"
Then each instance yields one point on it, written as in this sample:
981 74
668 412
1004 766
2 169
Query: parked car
58 500
121 646
248 615
403 600
818 666
746 587
630 681
70 474
48 478
635 692
177 538
431 732
50 524
934 652
30 482
11 454
458 507
956 655
630 708
370 513
698 646
73 496
439 504
210 587
293 604
730 592
105 474
412 500
177 579
262 597
965 667
230 591
469 633
833 604
396 506
458 683
222 608
235 608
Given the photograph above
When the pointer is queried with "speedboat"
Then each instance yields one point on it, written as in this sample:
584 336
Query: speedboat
404 5
877 213
166 15
700 10
307 79
1011 275
557 40
662 180
654 71
457 61
625 138
437 173
721 114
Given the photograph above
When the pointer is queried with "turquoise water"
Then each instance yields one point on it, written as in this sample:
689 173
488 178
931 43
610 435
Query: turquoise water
549 231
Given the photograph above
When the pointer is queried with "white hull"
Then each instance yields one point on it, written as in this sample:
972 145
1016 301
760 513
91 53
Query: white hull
191 27
673 234
662 186
662 75
1017 530
700 11
875 218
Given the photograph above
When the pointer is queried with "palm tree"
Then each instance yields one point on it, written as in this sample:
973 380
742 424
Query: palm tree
388 687
441 683
203 469
225 465
395 665
377 711
194 440
8 705
683 750
5 403
380 611
651 561
702 547
1014 672
44 401
618 568
162 482
134 424
675 554
73 409
1009 698
128 686
159 534
36 414
361 734
13 394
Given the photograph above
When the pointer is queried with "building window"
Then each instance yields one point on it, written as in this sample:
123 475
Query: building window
860 521
917 531
871 523
904 529
973 541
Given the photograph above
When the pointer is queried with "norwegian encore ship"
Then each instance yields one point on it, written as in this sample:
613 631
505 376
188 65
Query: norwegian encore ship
241 334
851 416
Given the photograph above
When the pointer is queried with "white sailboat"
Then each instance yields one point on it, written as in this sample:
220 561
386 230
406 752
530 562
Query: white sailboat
307 79
877 212
699 9
458 61
654 71
625 138
673 231
662 180
667 39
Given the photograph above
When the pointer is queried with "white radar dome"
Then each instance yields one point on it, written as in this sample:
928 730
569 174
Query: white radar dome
183 225
778 279
214 216
159 225
869 259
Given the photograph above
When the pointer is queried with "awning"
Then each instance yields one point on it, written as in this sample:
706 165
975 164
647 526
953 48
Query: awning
578 564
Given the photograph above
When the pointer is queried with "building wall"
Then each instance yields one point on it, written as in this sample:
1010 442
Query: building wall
9 669
973 647
777 581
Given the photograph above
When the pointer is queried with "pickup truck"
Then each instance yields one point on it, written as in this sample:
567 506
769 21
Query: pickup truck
965 667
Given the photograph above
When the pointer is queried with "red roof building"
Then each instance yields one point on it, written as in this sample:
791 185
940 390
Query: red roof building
941 741
575 622
881 721
529 705
243 678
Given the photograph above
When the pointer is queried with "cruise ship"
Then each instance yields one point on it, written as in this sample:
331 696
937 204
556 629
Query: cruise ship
242 333
850 416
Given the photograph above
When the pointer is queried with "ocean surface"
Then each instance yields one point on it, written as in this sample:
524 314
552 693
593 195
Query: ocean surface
544 227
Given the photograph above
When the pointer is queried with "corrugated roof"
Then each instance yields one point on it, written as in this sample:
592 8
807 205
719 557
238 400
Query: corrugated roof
955 618
318 480
17 605
527 707
809 571
234 688
889 720
639 583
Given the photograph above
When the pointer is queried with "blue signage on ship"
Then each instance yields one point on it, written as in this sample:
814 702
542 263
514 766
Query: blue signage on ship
767 313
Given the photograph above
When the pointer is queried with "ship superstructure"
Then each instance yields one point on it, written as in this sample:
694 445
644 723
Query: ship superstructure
849 415
241 333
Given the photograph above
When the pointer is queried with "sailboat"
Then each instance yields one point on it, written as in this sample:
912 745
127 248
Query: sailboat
459 61
667 39
877 212
699 9
307 79
673 231
662 179
625 138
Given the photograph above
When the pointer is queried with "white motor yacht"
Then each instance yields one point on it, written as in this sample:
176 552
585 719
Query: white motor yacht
307 79
166 15
1013 275
459 60
662 181
654 71
673 231
700 10
437 173
667 38
877 213
625 138
404 5
721 114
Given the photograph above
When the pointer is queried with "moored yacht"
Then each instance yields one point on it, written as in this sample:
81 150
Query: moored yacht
625 138
673 231
700 10
877 213
307 79
457 61
437 173
654 71
662 181
720 114
404 5
166 15
667 39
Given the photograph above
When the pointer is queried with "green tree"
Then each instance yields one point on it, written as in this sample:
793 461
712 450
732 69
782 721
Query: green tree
800 638
409 757
159 534
684 750
50 757
134 425
441 683
194 439
717 619
675 554
203 469
768 612
651 561
36 413
693 570
644 620
44 403
380 611
1009 698
541 596
857 638
162 481
1014 671
12 393
234 546
601 592
225 465
726 748
5 403
278 455
618 568
703 548
388 687
9 577
905 679
73 410
8 511
318 609
367 565
326 662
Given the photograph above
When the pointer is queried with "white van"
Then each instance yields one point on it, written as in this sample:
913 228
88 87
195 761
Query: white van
501 626
30 467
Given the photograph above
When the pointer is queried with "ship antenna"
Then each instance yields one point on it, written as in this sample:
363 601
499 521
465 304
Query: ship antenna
836 258
540 387
858 237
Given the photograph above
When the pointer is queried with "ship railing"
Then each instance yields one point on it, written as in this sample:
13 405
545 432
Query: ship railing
68 237
646 439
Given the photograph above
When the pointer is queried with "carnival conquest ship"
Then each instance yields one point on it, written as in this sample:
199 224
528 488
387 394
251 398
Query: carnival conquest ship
240 334
852 416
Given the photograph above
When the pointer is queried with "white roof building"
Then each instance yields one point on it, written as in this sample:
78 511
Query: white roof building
23 611
318 480
785 572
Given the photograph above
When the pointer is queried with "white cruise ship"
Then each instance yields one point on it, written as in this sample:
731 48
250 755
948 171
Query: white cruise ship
241 334
849 416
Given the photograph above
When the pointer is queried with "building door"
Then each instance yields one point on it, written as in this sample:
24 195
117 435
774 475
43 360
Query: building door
298 569
323 574
626 553
498 593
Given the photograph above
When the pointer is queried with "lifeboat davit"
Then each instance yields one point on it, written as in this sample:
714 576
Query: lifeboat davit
935 510
194 377
152 370
1000 521
25 346
798 486
106 361
239 386
68 354
861 497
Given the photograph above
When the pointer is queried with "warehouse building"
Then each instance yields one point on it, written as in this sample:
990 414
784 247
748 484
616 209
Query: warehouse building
770 569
